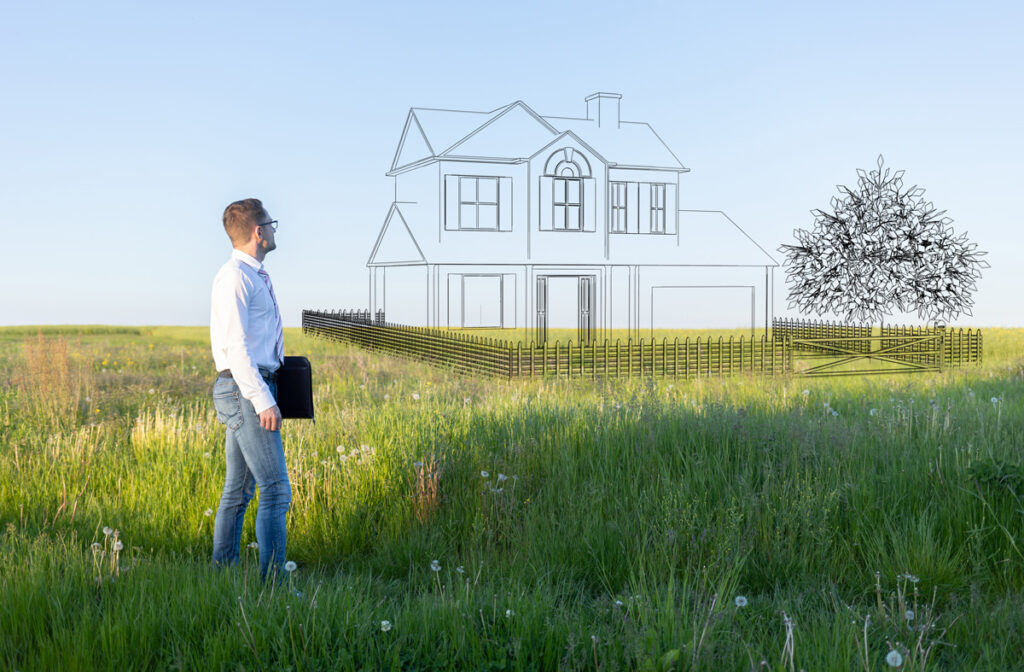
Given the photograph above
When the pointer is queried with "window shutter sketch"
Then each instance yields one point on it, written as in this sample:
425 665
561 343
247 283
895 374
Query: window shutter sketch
645 208
617 205
505 204
544 193
658 208
633 207
671 209
589 209
508 300
451 202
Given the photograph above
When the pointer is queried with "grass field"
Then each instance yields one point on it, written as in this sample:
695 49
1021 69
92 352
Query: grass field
573 524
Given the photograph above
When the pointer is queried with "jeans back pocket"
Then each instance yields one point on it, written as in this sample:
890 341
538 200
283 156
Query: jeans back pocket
229 409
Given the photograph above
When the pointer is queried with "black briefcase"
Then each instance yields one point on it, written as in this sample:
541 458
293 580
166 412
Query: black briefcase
295 388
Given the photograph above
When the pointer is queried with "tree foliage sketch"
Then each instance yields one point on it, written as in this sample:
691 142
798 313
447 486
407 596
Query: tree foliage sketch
882 246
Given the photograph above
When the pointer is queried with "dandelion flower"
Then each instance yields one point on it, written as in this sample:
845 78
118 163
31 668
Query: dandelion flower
502 477
107 531
740 601
509 613
435 566
415 396
909 615
894 659
498 490
385 626
208 513
806 393
118 545
995 400
485 474
290 566
340 449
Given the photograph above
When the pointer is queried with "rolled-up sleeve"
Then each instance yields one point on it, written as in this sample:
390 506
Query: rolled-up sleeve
231 296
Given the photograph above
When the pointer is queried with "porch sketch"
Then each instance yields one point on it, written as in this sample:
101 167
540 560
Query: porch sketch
509 219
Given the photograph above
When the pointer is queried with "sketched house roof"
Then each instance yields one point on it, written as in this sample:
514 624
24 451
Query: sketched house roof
431 134
516 134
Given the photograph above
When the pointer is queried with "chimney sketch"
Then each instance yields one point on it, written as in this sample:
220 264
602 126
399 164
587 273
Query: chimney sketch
604 109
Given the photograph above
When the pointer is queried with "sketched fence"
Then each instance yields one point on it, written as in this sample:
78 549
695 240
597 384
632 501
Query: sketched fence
908 349
677 359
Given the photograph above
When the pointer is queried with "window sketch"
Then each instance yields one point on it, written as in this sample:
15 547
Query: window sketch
489 206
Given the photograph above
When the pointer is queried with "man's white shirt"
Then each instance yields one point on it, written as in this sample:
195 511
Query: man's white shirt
245 326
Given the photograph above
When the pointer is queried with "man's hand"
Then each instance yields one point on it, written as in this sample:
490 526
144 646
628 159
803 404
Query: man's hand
270 419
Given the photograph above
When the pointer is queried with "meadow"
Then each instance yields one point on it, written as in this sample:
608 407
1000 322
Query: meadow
451 522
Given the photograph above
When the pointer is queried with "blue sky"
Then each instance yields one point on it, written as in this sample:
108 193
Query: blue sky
125 128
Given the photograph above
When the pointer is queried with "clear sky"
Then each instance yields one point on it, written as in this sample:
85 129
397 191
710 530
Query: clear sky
125 128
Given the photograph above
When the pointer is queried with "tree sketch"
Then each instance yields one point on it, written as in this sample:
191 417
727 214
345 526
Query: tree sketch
882 246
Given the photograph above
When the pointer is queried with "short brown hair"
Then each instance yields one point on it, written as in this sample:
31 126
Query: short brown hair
241 216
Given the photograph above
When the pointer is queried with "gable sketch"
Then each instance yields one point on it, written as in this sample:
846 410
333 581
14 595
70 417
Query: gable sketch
509 219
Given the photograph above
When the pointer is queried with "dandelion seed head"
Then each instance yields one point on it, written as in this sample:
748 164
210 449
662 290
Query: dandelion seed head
96 546
894 659
460 569
118 545
509 613
806 393
740 601
340 449
995 400
485 474
107 531
873 412
385 626
290 566
208 513
207 455
909 615
435 566
253 544
152 391
619 604
386 397
416 396
502 478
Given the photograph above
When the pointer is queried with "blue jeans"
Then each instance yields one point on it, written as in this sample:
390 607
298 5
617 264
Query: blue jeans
254 457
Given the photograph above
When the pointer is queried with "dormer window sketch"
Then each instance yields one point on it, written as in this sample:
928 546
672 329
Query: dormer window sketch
478 203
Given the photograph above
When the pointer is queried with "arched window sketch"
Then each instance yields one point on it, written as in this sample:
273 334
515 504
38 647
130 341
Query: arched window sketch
510 219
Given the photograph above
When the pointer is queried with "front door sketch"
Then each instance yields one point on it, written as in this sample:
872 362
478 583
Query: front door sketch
490 204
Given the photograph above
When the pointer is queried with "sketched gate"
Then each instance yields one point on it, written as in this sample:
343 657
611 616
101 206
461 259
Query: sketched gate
846 355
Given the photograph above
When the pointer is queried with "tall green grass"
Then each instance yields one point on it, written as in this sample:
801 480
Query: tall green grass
575 524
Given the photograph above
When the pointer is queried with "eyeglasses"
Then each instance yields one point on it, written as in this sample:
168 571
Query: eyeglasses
272 224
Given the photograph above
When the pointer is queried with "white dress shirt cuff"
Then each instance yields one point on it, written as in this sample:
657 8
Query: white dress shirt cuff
263 400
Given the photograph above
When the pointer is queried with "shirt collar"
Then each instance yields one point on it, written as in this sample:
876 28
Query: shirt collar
246 259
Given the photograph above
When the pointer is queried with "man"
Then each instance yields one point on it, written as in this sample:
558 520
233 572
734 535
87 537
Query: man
248 348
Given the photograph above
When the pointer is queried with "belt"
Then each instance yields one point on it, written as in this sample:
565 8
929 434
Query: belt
266 374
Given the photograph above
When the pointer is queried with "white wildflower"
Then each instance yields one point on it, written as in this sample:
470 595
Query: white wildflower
509 613
416 396
593 638
152 391
385 626
290 566
619 604
894 659
340 449
995 400
435 566
207 455
806 393
208 513
485 474
118 545
253 544
740 601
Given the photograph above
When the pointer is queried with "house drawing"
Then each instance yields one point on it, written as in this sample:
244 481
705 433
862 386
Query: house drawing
509 219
